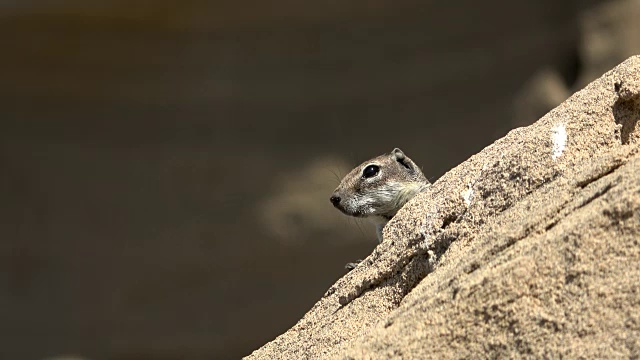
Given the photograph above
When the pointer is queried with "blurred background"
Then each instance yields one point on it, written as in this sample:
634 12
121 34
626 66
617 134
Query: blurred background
165 166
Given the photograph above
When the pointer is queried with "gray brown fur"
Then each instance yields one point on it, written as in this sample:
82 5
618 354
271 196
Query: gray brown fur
380 197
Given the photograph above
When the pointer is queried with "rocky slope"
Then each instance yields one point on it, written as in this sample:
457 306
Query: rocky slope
529 248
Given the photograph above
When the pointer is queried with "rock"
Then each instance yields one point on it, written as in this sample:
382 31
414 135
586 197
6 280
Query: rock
609 33
544 91
529 248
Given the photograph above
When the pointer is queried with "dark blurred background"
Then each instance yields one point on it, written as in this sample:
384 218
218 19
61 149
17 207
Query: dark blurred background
165 166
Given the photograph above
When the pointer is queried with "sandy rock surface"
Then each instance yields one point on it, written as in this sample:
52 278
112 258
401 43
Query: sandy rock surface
529 248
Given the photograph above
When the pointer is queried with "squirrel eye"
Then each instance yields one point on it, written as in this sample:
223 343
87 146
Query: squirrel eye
370 171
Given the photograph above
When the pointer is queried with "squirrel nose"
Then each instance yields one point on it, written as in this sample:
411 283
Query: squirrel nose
335 200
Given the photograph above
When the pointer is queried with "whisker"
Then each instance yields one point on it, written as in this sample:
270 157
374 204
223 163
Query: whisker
359 227
338 178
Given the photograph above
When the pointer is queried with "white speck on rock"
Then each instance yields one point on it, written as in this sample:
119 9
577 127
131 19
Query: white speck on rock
559 138
468 195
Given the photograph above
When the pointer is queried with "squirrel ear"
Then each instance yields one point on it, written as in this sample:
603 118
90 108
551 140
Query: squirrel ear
398 155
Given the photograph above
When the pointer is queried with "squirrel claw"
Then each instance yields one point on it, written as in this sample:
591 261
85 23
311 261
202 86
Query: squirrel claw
352 265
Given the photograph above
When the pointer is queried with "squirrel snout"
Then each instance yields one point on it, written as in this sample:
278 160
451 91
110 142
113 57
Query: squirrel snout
335 199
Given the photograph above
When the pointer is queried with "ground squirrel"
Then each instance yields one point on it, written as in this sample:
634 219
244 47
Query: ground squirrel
378 188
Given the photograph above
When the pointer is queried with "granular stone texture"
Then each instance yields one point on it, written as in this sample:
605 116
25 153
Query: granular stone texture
530 248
